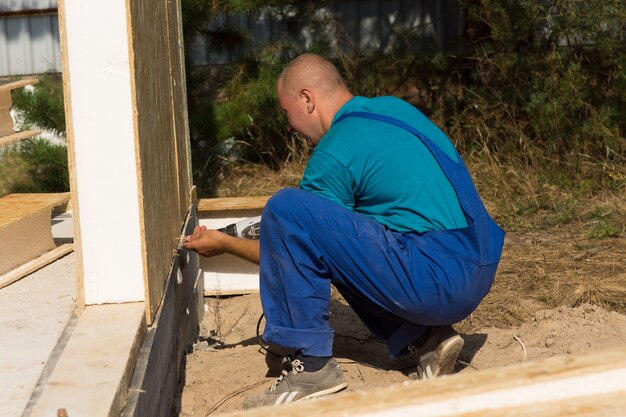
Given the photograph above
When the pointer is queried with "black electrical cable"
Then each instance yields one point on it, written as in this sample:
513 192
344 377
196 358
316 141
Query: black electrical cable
265 348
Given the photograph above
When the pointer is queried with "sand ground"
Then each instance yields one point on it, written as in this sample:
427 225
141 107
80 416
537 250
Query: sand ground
513 324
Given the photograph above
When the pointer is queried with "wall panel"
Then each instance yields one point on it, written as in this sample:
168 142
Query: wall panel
161 136
128 144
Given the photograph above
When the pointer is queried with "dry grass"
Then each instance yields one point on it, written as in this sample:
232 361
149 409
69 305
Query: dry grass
546 268
258 180
560 259
13 170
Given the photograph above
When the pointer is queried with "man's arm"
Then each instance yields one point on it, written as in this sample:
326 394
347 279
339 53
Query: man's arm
209 242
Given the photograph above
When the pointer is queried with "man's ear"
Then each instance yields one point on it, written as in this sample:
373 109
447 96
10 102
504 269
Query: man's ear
308 98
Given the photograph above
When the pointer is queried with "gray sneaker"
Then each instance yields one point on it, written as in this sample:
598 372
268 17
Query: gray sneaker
295 384
438 354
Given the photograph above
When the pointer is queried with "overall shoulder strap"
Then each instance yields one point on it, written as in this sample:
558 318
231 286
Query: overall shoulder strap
403 125
382 118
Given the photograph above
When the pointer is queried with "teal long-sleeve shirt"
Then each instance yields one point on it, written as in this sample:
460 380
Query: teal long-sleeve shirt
383 171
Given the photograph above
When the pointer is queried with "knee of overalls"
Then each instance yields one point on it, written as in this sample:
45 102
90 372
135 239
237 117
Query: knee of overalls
292 205
283 202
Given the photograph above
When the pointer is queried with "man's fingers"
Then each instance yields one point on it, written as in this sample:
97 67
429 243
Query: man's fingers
197 233
191 238
203 241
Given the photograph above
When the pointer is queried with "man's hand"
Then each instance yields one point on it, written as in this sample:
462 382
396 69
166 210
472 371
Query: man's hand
209 242
206 242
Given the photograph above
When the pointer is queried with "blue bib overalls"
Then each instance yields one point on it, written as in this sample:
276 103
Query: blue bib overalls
399 284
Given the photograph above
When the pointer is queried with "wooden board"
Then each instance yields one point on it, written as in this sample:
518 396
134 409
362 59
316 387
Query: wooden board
560 386
161 136
15 137
12 85
34 265
25 229
207 205
6 122
605 405
178 82
16 206
92 375
71 155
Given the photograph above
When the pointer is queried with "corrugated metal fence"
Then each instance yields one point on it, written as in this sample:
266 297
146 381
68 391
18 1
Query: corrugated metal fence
370 24
29 31
29 37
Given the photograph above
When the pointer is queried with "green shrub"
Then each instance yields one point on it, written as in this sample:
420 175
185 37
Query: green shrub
553 71
43 106
251 116
540 86
34 166
37 165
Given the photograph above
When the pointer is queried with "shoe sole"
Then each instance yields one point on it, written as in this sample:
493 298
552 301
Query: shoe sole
444 359
327 391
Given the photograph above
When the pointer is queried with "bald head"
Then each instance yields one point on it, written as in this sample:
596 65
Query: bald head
310 71
311 91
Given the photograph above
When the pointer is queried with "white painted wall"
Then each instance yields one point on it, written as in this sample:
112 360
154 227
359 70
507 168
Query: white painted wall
104 145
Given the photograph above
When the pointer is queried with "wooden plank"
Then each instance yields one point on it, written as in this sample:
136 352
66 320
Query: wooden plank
16 206
34 265
12 85
92 375
220 293
25 229
546 384
207 205
161 215
161 138
71 152
179 102
6 121
17 136
605 405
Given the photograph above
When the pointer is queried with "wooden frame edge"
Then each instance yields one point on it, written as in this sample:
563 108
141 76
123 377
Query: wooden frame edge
71 154
35 265
208 205
18 136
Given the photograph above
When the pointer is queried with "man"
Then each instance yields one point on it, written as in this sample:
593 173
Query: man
387 213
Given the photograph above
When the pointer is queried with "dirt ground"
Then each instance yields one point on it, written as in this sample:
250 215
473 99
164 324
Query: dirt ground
552 296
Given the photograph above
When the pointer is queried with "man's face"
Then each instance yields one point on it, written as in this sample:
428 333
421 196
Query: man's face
299 119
